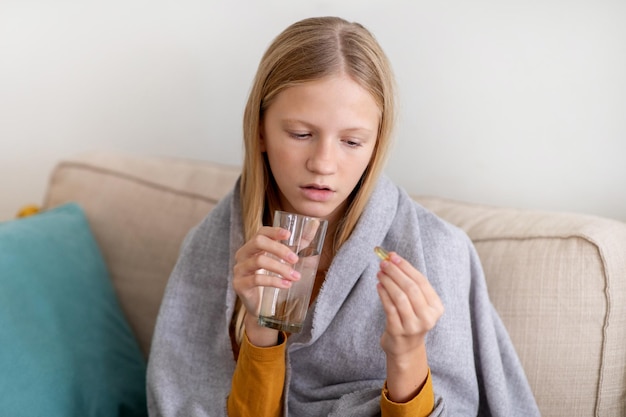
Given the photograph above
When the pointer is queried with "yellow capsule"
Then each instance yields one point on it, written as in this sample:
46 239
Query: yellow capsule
382 254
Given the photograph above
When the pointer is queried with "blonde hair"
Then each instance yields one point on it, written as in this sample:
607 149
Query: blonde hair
309 50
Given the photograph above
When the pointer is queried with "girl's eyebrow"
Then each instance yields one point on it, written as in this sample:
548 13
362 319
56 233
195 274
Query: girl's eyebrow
290 122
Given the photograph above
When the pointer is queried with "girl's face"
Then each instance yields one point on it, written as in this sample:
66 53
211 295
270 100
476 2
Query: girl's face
319 137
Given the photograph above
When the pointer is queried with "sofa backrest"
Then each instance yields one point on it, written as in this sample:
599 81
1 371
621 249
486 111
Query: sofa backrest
140 209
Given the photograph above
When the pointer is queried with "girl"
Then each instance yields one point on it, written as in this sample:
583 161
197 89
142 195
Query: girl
376 340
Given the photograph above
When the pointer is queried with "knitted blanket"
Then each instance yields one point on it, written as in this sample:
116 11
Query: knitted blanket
335 366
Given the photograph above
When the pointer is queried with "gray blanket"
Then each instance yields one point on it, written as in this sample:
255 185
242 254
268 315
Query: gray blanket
335 366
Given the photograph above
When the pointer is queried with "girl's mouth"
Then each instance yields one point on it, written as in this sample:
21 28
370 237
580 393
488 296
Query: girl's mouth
317 192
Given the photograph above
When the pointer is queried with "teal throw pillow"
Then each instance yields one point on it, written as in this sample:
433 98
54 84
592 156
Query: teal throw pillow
65 347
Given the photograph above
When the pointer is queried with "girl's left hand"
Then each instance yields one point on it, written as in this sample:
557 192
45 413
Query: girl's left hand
411 305
412 308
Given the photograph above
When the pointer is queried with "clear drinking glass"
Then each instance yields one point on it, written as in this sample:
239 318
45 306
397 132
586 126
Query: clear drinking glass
286 308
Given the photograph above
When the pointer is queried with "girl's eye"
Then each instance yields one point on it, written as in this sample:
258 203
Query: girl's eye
298 135
352 143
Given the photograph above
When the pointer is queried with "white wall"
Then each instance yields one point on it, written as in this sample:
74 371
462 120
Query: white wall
519 103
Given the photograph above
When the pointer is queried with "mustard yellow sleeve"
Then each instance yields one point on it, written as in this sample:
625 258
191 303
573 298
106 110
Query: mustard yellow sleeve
258 380
419 406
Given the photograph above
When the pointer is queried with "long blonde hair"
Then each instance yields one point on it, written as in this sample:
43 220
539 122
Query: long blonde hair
309 50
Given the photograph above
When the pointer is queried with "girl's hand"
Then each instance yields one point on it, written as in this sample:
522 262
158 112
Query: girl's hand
412 308
411 304
257 265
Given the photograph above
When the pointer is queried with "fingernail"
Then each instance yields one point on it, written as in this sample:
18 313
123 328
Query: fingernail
295 274
395 259
286 283
292 257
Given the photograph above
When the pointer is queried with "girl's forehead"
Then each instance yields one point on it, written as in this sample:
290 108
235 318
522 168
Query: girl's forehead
337 103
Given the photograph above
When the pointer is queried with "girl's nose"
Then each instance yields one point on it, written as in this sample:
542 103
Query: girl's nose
323 157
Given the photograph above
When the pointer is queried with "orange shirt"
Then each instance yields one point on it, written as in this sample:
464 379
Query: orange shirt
264 369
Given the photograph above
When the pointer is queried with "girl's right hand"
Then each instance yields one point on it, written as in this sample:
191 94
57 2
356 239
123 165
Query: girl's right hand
258 265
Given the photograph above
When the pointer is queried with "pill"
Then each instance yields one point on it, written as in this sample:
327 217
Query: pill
382 254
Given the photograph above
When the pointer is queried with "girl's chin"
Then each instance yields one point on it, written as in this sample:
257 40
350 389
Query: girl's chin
316 209
326 213
307 210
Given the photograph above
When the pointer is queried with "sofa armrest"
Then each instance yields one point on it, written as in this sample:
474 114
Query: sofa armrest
558 280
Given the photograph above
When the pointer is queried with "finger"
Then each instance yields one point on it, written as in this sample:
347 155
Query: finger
265 266
410 303
246 286
265 280
270 264
414 276
266 241
394 323
423 298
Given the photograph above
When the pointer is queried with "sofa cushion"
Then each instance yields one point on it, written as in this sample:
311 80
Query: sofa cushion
65 346
558 280
140 209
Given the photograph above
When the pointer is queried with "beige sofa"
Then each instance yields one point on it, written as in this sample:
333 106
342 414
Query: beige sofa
558 280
